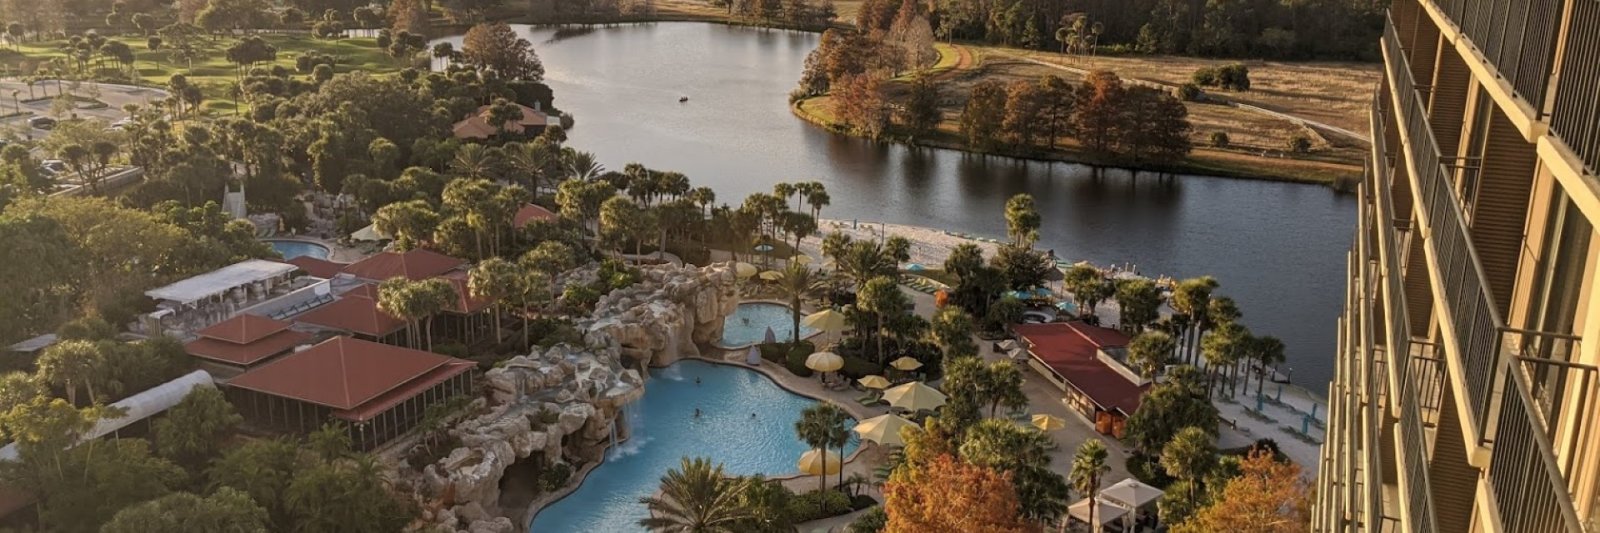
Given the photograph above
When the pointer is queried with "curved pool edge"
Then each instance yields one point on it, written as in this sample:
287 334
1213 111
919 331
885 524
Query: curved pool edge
544 502
327 247
718 343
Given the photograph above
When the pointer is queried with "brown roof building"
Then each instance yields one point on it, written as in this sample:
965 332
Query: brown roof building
415 265
356 312
1086 362
380 390
245 340
531 213
477 125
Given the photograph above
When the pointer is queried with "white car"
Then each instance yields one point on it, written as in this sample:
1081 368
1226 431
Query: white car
53 166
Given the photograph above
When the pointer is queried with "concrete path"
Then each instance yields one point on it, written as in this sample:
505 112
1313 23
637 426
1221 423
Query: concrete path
14 93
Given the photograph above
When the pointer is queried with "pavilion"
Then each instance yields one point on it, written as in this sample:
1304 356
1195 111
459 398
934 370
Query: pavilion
1087 363
379 391
416 264
244 341
214 296
357 313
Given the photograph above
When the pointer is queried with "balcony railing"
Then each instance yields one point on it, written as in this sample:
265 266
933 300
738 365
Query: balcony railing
1528 487
1425 368
1576 118
1474 319
1412 447
1516 37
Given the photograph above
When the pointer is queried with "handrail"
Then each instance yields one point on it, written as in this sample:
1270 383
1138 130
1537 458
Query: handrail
1397 326
1472 318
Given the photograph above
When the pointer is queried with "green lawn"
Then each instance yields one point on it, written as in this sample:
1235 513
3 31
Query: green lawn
211 70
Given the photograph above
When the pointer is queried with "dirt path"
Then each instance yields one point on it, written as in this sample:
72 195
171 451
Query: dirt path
1247 107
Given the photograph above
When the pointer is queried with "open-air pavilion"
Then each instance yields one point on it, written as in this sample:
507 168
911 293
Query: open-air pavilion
357 313
211 297
380 391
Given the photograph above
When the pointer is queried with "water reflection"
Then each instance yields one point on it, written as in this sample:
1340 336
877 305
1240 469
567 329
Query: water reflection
1277 248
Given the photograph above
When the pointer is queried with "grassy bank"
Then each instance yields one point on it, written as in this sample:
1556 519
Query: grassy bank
1256 139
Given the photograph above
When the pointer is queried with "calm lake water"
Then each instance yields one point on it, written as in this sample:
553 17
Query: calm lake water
1277 248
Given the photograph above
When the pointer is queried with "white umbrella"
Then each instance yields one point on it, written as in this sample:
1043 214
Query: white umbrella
884 429
914 396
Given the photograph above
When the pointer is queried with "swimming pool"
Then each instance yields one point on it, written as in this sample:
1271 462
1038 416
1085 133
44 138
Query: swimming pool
665 430
293 249
748 324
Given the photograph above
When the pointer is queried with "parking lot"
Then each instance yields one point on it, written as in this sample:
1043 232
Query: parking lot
15 94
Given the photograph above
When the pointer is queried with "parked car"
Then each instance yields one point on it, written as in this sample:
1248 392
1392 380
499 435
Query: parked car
43 123
53 166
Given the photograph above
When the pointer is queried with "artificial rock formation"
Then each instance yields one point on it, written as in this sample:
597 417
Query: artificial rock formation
561 404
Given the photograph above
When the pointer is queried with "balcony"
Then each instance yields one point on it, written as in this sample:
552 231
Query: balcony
1576 119
1470 314
1520 395
1516 37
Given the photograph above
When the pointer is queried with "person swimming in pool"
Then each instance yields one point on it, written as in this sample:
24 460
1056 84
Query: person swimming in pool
752 416
697 412
697 380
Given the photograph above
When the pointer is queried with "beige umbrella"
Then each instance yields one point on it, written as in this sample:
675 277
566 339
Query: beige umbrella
827 320
906 363
874 382
744 270
1046 422
824 362
819 463
771 275
914 396
884 429
801 259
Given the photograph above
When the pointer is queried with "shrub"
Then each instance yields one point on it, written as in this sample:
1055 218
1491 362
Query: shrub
796 363
857 368
862 501
1147 468
815 505
555 476
871 521
1205 76
1300 144
1219 139
1189 92
1235 77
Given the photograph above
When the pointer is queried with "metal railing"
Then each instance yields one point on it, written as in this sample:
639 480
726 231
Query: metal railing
1412 448
1562 392
1473 318
1425 367
1516 37
1576 116
1527 486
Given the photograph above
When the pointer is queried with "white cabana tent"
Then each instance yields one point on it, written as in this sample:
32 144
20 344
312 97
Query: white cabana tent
1131 493
221 281
369 233
137 407
1105 513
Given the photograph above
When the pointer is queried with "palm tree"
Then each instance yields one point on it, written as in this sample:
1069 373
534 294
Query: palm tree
817 198
798 282
72 364
474 161
863 261
821 426
495 279
696 497
1267 351
396 300
1088 468
1188 457
582 166
431 297
881 297
1191 299
1222 347
1150 352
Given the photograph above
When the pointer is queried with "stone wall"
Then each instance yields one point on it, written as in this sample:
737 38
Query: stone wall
561 404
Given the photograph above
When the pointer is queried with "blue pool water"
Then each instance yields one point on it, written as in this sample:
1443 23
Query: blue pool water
293 249
748 324
665 430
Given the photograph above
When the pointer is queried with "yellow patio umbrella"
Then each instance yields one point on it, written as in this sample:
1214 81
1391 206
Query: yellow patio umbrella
801 259
744 270
824 362
884 429
914 396
771 275
819 463
827 321
906 363
1047 422
873 382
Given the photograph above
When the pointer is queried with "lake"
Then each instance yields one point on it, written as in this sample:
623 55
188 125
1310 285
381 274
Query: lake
1277 248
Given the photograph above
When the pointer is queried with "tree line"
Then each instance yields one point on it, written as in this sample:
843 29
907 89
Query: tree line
1320 29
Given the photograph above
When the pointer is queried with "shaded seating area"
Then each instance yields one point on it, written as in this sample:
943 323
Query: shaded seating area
380 391
357 313
244 341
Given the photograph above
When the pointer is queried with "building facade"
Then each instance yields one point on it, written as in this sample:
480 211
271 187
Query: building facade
1465 395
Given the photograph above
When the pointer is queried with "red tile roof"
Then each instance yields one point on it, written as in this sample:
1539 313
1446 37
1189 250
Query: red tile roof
415 265
321 268
342 373
477 126
354 312
530 213
249 353
388 400
1069 349
464 303
243 329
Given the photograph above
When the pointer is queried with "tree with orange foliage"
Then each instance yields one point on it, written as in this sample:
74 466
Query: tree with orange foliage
949 496
1266 497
